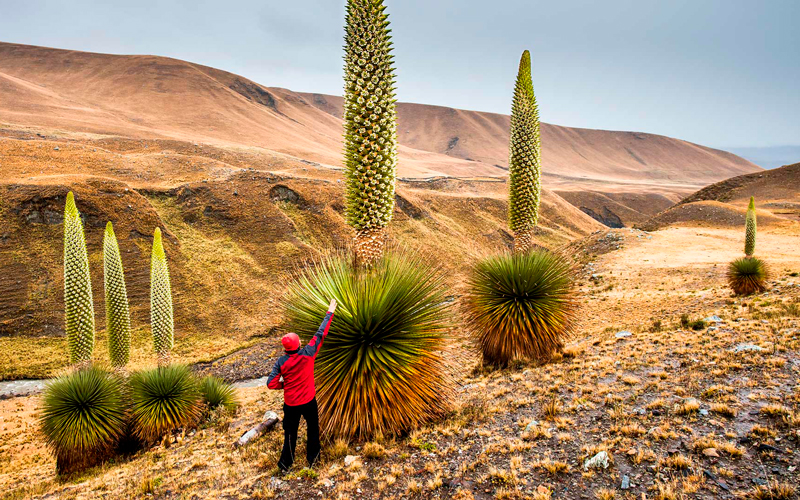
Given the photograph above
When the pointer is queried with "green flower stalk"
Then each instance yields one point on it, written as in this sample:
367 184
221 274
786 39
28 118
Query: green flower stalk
370 122
750 229
524 162
160 301
118 318
78 302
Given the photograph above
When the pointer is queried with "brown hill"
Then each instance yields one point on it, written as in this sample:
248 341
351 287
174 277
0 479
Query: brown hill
156 97
777 194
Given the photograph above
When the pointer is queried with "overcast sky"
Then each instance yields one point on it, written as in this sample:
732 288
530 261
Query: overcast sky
722 73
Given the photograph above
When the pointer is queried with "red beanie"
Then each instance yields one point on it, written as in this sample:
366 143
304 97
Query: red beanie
290 341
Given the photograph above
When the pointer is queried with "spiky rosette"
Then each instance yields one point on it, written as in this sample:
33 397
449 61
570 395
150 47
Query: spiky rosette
381 369
747 276
164 399
370 123
521 305
160 301
118 318
524 163
78 301
216 392
750 229
83 416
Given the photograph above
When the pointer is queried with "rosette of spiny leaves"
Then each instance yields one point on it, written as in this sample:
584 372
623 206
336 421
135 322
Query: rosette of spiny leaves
161 320
524 162
750 229
78 302
370 122
118 318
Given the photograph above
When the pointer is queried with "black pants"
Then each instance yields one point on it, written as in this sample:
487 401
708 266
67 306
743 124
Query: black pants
291 421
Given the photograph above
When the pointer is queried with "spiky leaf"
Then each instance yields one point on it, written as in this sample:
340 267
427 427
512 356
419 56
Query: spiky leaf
160 299
118 318
164 399
524 164
750 229
370 118
521 305
216 392
747 276
83 416
381 369
78 301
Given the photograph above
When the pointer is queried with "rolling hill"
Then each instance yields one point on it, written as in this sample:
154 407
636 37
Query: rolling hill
146 97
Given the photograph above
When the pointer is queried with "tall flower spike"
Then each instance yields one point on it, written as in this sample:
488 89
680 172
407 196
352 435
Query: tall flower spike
118 318
524 162
370 123
78 302
160 301
750 229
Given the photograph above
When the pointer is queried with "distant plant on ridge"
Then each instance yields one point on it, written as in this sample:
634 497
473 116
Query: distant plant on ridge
78 301
525 160
370 122
118 319
161 319
750 229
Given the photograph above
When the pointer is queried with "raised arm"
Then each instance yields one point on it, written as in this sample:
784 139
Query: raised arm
316 342
274 380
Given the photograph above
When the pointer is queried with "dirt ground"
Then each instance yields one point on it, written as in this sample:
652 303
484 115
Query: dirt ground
678 411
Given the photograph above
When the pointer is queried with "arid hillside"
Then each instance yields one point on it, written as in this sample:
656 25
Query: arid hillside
237 222
146 97
777 195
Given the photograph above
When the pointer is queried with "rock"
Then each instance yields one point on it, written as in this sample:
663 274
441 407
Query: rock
711 452
712 329
713 319
626 482
704 412
56 148
747 347
599 461
623 334
531 425
349 459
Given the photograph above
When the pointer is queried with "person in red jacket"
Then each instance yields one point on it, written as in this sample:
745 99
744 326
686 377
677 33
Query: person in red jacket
294 373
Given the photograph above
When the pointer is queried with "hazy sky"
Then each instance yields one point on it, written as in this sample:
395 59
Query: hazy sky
717 72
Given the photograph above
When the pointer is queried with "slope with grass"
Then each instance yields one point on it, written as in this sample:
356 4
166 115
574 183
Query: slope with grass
680 412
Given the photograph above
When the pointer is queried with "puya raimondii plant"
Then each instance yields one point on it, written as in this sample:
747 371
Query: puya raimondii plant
78 302
750 229
370 120
525 158
118 318
161 319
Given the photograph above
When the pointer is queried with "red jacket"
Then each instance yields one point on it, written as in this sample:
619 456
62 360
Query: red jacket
297 369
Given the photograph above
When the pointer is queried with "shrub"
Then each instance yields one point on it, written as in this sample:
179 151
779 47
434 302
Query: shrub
524 164
381 369
370 126
216 392
164 399
83 416
747 276
78 302
160 301
521 305
118 318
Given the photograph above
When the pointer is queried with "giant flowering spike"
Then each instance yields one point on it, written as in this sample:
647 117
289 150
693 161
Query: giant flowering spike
750 229
78 303
524 162
370 126
160 301
118 318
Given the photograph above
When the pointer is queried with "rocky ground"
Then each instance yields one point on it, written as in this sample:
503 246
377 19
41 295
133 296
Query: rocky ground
674 389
